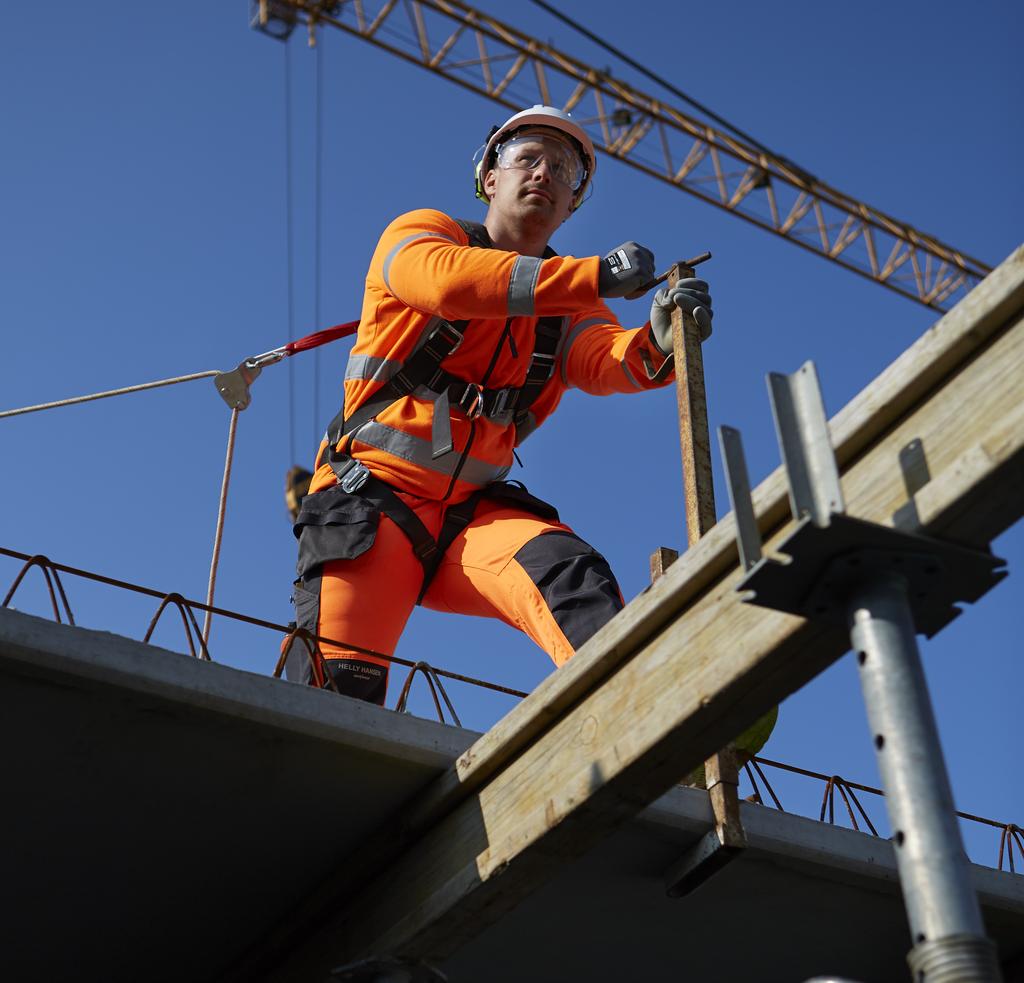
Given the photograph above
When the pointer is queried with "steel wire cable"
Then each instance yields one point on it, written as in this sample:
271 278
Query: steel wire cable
657 79
290 245
317 224
111 392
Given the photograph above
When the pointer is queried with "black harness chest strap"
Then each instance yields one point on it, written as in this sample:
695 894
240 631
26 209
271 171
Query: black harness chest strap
548 333
423 368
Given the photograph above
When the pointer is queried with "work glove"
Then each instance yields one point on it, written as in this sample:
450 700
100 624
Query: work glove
625 270
690 296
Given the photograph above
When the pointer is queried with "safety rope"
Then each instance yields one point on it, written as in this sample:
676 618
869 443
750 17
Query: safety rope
111 392
313 340
218 535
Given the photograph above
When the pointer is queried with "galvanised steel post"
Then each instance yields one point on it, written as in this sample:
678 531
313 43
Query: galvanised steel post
945 919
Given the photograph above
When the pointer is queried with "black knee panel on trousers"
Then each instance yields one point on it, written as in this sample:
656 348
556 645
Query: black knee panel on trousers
575 581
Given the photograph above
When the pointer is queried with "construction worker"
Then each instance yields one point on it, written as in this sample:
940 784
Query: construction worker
469 336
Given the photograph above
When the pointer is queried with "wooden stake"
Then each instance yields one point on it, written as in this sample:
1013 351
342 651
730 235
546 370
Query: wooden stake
720 770
695 442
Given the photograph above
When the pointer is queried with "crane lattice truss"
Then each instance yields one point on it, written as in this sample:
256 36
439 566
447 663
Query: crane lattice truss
489 57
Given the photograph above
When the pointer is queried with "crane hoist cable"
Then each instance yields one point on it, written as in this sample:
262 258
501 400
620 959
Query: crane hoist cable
317 224
659 80
289 244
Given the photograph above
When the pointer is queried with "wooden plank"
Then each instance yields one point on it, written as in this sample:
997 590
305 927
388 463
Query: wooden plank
681 671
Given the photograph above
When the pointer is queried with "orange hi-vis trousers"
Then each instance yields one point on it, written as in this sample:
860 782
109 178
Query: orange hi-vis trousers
533 573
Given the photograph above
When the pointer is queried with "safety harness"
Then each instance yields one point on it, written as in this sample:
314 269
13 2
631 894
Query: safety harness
423 369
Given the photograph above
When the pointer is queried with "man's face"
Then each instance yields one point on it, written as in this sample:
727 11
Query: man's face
533 177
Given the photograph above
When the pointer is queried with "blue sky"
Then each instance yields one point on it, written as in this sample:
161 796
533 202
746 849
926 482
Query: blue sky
143 235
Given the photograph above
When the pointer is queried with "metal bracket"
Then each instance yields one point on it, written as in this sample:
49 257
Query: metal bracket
234 384
806 447
830 553
826 565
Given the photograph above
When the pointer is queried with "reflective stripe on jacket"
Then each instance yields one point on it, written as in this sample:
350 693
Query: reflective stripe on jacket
424 269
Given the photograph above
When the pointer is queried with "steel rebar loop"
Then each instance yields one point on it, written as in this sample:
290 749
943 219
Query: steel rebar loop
754 762
47 568
187 616
432 678
322 675
849 800
1010 835
263 623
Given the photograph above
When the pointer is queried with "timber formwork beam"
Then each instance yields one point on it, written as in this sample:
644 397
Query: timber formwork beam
935 444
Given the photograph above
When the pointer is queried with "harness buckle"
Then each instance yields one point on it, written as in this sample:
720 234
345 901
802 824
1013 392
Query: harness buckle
476 407
355 477
545 357
504 400
447 332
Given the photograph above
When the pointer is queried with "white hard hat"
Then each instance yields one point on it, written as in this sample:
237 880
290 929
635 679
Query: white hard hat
551 118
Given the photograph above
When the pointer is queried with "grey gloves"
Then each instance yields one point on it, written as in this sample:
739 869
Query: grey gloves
624 270
690 296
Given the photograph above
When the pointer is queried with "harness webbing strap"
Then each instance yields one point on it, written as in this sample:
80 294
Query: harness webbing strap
455 520
355 478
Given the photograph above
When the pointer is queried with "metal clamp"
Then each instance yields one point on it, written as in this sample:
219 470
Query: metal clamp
234 385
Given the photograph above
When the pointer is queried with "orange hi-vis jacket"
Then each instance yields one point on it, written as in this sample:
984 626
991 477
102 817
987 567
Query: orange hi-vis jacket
423 270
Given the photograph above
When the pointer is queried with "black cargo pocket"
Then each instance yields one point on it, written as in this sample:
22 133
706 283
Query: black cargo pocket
334 525
514 493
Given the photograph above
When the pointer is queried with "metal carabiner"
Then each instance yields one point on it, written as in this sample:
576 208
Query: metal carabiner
476 408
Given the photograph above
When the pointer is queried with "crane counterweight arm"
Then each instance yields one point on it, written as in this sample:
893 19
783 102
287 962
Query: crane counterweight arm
486 56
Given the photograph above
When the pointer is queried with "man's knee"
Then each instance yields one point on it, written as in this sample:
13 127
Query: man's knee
575 582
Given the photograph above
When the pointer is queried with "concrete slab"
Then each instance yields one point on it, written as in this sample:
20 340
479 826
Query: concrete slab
163 813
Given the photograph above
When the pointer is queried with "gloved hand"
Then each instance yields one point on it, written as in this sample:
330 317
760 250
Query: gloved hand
690 296
624 270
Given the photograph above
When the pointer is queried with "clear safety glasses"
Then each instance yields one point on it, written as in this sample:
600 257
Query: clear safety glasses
526 153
